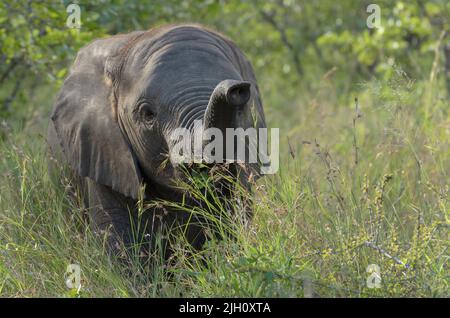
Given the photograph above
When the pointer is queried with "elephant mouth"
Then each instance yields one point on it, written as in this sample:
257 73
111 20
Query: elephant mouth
191 178
191 183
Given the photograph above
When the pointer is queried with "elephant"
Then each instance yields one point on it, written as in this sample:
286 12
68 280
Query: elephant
114 114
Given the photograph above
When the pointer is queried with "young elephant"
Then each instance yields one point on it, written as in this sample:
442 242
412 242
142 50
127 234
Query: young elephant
115 113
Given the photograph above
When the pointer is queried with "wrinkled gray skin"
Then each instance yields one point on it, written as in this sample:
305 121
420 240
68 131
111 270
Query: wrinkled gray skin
124 96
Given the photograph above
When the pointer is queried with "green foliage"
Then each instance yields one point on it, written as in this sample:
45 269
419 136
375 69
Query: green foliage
357 185
318 224
293 42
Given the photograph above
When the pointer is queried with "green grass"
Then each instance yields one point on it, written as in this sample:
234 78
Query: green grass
318 224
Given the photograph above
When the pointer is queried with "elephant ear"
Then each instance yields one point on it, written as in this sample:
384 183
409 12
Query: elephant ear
84 120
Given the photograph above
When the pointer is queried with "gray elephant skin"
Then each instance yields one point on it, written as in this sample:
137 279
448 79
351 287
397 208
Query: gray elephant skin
112 120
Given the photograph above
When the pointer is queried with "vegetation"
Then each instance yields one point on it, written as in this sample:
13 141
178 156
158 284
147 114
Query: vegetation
364 162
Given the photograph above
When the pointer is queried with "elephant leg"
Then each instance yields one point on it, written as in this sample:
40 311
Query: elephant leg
111 214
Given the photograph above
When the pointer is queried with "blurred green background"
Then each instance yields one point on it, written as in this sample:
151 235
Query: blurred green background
360 182
292 44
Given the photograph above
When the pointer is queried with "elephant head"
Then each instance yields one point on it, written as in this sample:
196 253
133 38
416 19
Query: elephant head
124 97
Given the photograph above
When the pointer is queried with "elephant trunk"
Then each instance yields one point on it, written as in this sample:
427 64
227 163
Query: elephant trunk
227 100
225 110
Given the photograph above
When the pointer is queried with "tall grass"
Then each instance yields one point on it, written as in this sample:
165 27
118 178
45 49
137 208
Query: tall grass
360 182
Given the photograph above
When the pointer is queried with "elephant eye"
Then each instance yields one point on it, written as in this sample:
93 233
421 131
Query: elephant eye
147 113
